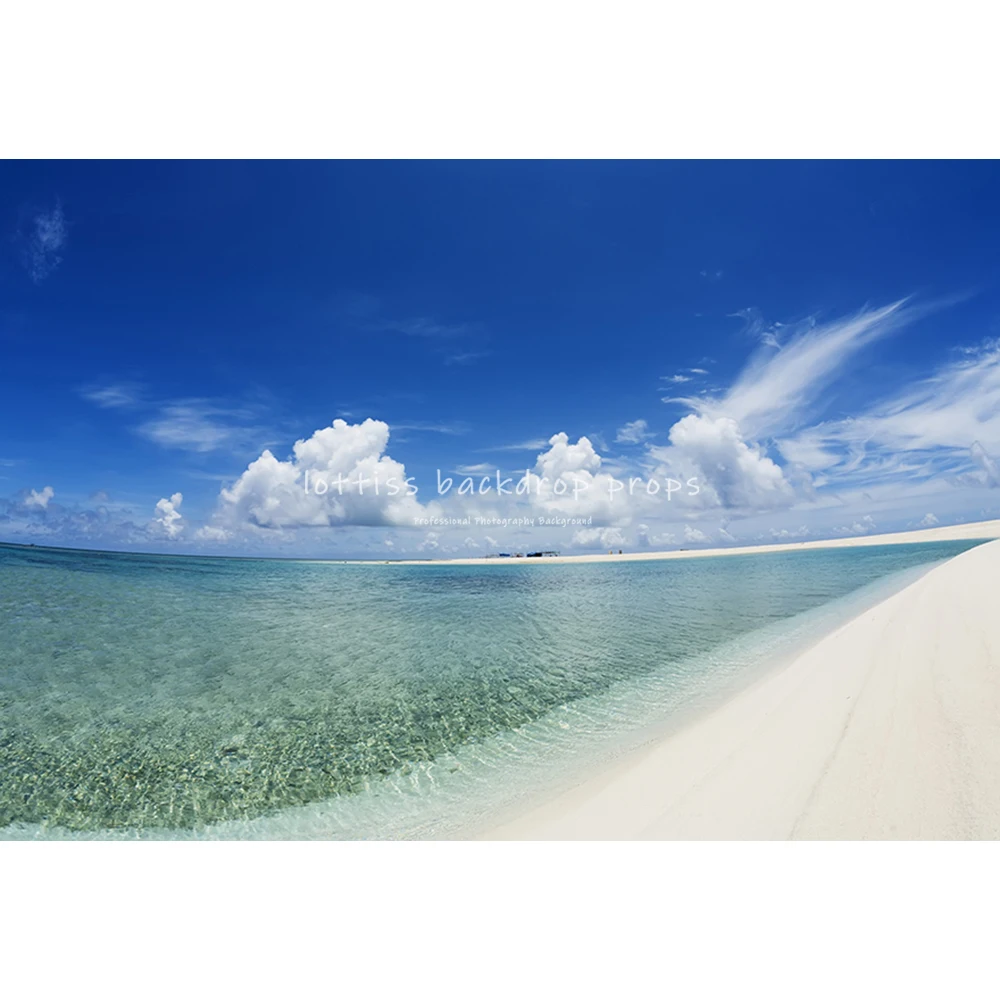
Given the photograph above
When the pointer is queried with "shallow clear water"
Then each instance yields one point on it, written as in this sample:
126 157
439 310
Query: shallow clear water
175 696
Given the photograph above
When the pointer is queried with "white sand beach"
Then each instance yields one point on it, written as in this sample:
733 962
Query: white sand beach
888 728
945 533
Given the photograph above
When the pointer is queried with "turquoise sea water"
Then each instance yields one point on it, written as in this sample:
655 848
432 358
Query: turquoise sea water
178 696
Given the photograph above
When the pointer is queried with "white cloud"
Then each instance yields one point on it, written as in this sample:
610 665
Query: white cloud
633 432
39 499
118 395
946 425
725 439
170 520
340 475
564 459
189 426
212 533
734 473
647 540
756 449
534 444
477 469
431 542
568 480
991 470
809 451
863 526
928 521
775 389
45 242
605 538
692 534
784 533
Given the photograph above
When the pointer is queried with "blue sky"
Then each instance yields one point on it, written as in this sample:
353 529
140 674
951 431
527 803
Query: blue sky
813 343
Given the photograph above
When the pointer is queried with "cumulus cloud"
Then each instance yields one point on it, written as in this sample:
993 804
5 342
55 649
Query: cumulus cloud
928 521
168 518
212 533
645 538
605 538
863 526
735 473
39 499
731 440
431 542
568 480
758 447
785 534
36 516
692 534
340 475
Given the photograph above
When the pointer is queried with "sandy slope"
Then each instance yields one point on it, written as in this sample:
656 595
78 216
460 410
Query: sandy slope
977 529
889 728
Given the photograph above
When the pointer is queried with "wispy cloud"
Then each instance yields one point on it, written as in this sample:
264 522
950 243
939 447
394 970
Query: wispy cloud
466 357
479 469
457 343
430 427
45 242
202 425
425 327
777 390
113 395
684 375
189 426
946 424
533 444
634 432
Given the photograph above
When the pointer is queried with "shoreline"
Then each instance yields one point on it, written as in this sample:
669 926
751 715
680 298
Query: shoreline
947 533
870 733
